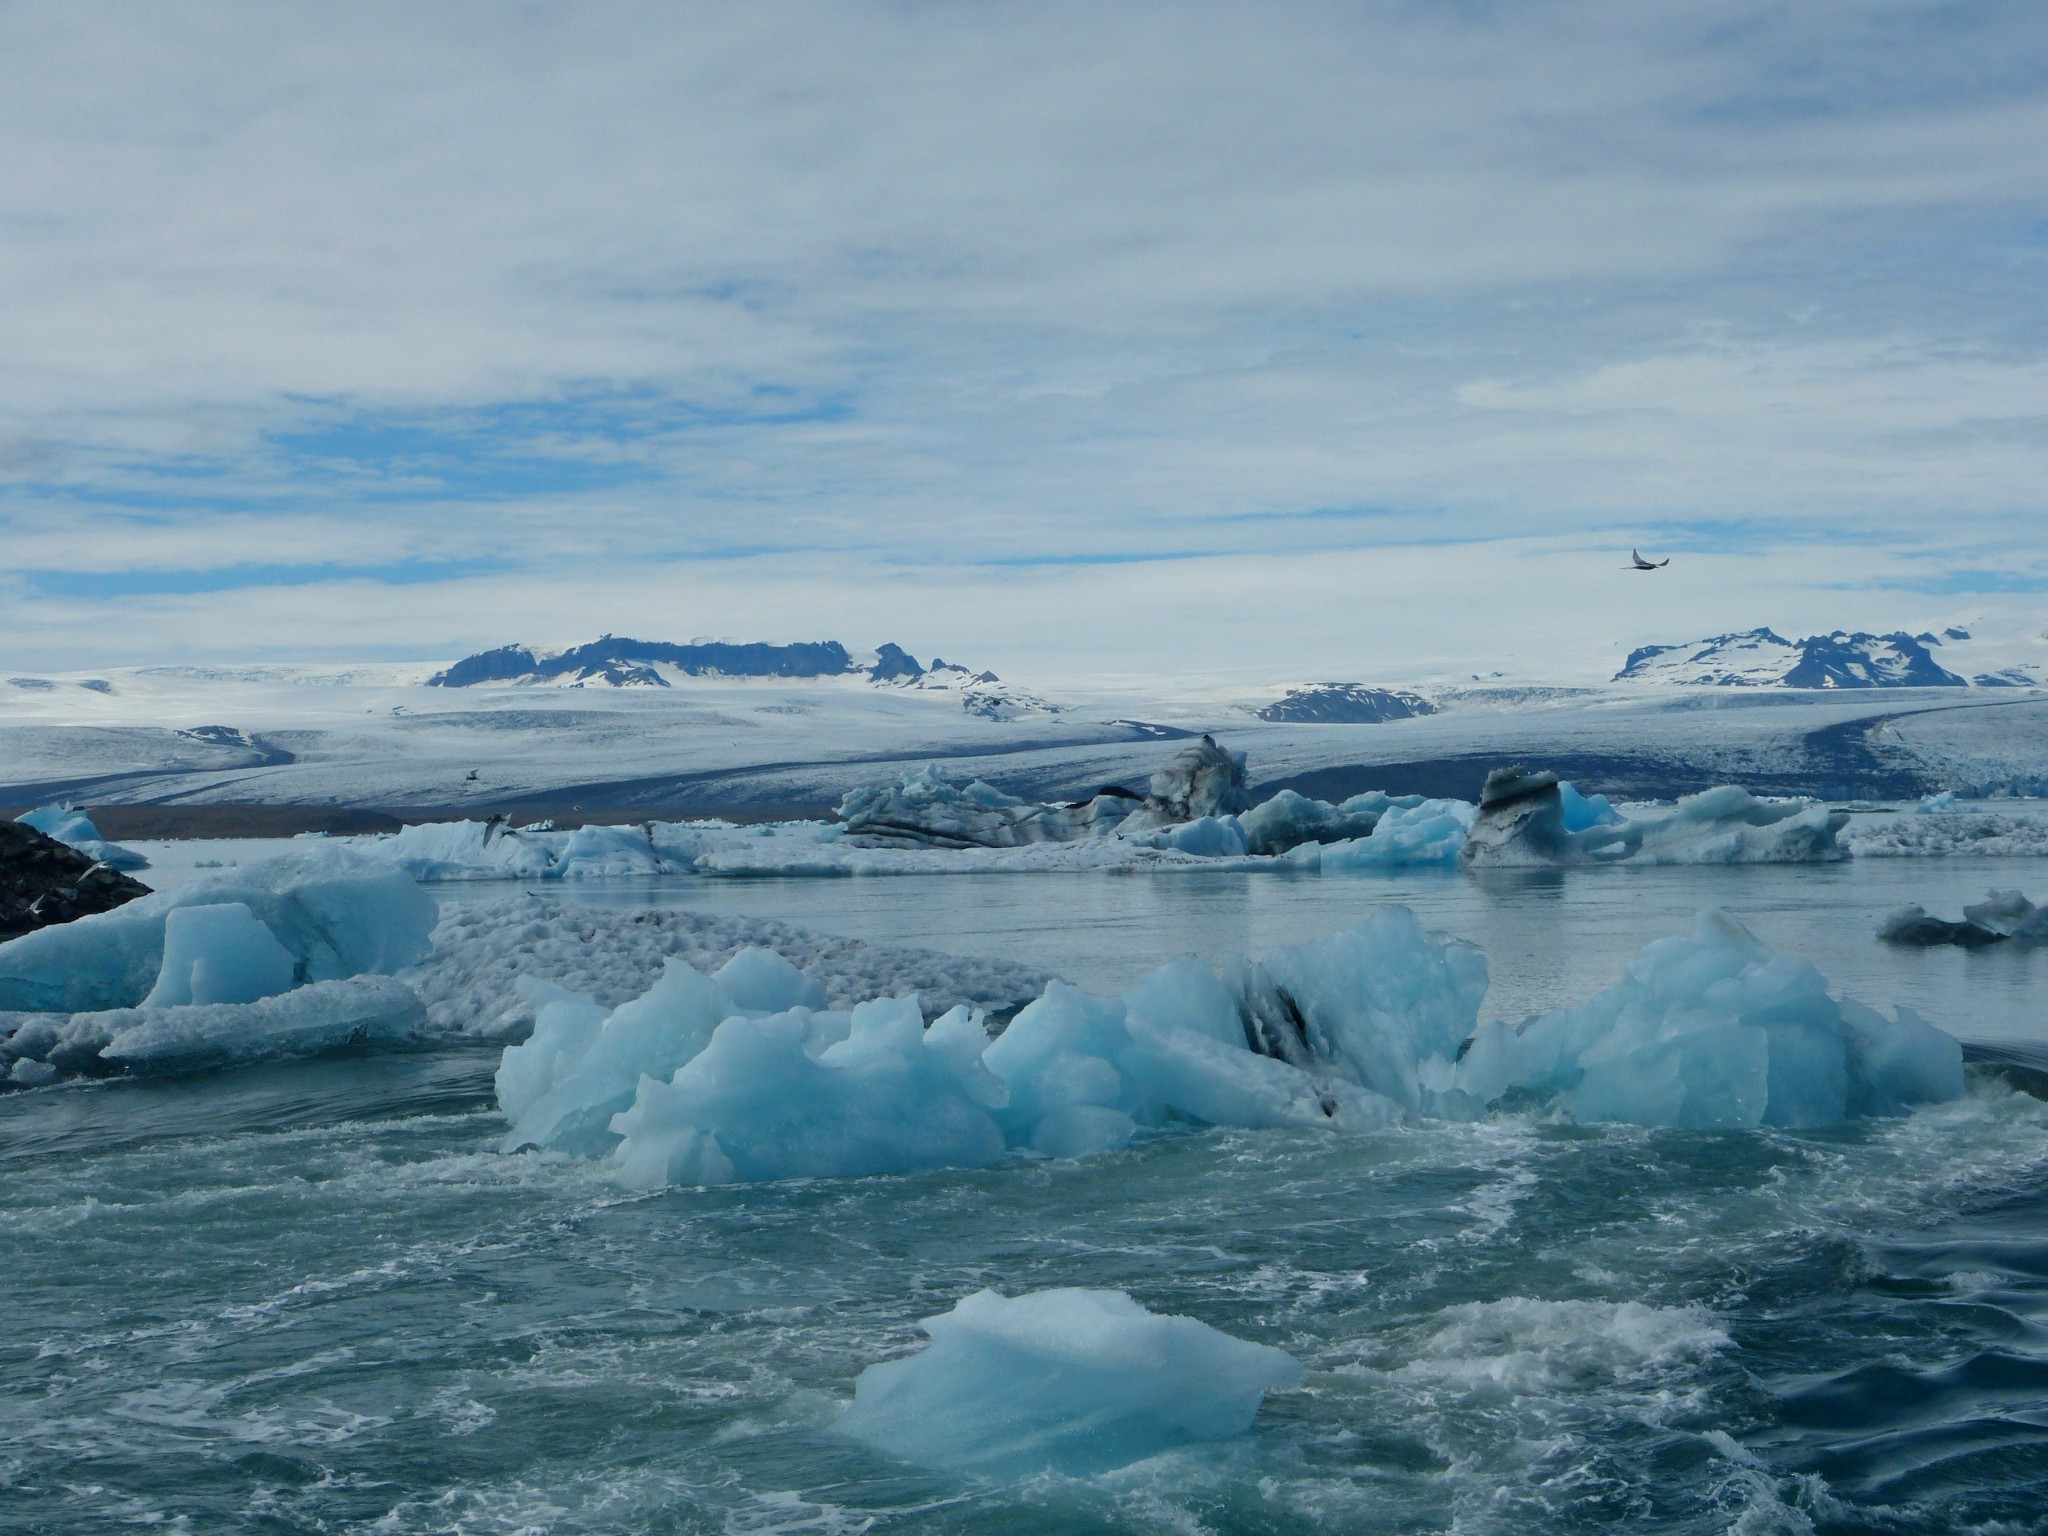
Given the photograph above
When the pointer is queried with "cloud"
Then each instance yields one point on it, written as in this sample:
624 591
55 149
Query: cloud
555 290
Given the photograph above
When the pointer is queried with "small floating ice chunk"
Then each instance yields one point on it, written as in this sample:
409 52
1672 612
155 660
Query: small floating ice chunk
1937 805
219 954
1069 1380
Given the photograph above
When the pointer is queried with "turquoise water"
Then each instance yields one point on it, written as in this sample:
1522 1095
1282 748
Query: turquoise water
315 1298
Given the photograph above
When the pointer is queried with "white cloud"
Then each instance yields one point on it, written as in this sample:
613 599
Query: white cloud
1039 280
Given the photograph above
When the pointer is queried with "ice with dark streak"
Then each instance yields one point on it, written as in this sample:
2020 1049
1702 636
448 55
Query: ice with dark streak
1359 1030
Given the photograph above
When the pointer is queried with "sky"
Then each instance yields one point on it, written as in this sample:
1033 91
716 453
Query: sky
1271 340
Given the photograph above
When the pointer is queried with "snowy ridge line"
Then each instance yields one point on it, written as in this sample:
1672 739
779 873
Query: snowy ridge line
613 661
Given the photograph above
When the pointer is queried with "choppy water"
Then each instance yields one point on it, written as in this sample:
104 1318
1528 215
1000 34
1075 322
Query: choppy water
313 1298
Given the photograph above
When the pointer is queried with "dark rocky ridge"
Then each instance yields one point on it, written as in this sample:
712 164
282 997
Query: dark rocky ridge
1759 658
625 662
1345 704
43 882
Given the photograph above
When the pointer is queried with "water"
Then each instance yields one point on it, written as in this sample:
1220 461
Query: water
314 1298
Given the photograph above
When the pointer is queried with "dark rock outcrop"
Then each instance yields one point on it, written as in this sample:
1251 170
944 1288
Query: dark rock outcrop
44 882
1758 658
1345 704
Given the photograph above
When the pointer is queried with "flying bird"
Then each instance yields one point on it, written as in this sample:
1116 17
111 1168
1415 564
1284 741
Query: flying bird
1641 564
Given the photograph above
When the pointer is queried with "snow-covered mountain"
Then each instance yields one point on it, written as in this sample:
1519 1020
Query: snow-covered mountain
1345 704
1759 658
614 661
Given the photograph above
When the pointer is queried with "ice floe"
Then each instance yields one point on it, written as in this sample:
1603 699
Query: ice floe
1067 1380
1955 833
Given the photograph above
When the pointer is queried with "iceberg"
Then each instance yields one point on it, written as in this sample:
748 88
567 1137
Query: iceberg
74 828
1715 1030
496 850
220 953
928 810
798 1094
335 913
739 1076
1202 779
2000 916
1427 832
1288 819
1529 818
687 1083
189 1037
1068 1380
1729 825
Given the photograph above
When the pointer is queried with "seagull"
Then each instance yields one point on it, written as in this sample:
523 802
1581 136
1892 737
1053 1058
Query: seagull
472 777
1641 564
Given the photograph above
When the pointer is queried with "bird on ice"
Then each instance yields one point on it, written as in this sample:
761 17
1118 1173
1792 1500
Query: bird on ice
1641 564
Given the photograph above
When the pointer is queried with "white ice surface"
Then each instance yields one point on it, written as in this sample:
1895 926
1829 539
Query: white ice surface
1716 1030
1357 1030
336 913
220 953
1068 1380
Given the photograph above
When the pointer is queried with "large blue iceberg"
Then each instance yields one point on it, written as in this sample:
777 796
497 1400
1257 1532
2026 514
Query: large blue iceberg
745 1076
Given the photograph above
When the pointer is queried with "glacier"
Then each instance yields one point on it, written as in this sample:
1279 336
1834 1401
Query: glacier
1067 1380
